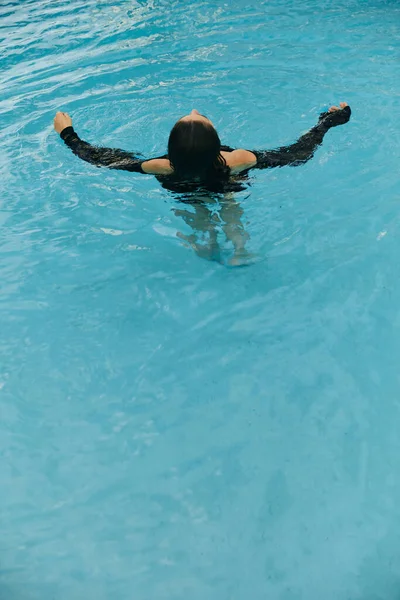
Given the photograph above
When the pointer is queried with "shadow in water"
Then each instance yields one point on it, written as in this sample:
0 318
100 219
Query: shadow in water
212 217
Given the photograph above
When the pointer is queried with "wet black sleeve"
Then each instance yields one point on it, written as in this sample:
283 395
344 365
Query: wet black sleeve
302 150
101 157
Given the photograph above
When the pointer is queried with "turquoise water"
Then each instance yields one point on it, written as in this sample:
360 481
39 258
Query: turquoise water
171 428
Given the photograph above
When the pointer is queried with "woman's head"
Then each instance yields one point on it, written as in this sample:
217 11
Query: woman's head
194 147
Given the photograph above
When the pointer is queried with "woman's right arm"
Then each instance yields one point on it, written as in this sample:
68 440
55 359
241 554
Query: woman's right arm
302 150
295 154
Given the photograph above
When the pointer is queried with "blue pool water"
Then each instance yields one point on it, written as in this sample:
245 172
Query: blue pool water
171 428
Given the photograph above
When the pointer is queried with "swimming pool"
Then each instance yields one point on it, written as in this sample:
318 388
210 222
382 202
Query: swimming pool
172 428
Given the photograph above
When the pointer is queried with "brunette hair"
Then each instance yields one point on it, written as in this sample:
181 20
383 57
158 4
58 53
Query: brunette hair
194 151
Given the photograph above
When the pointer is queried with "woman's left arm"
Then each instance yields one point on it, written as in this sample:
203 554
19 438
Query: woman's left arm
101 157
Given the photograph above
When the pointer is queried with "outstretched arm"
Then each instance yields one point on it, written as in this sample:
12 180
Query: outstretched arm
305 147
101 157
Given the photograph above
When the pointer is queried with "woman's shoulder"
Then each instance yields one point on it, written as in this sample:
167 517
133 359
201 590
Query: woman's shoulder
157 166
239 160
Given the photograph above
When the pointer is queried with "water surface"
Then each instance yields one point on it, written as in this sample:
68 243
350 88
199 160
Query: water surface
172 428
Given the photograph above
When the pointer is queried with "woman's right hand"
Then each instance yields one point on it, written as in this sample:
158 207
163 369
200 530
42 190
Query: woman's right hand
336 115
335 108
61 121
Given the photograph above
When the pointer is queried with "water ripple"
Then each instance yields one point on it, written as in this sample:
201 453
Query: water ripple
169 425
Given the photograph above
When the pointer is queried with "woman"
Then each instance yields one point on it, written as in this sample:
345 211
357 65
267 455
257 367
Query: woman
196 159
197 163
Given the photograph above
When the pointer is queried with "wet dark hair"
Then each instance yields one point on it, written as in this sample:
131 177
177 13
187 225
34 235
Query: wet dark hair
194 150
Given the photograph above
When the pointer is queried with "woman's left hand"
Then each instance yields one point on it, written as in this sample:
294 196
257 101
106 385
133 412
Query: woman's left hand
61 121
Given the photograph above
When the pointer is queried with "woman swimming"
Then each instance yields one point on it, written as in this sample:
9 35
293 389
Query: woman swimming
197 165
196 159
